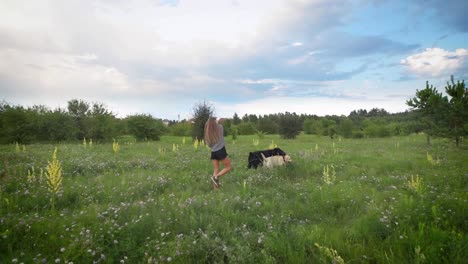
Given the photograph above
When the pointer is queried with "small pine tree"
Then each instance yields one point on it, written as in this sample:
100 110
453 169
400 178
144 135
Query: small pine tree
201 113
458 110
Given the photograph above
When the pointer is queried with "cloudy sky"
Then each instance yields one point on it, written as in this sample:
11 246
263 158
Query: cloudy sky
161 57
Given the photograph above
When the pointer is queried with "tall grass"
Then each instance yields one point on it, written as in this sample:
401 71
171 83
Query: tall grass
386 203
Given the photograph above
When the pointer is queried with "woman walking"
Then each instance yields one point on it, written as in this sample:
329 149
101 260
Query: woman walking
214 138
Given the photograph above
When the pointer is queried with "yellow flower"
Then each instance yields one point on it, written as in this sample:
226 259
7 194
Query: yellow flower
54 174
273 145
115 146
416 184
328 177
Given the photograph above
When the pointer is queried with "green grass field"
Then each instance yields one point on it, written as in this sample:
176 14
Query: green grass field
380 201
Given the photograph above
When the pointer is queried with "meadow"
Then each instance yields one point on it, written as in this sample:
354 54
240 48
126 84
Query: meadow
382 200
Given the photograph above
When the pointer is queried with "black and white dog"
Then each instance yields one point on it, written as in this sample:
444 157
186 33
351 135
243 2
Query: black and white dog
268 158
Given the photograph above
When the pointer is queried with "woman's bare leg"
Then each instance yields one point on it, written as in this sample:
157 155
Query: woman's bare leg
227 167
215 167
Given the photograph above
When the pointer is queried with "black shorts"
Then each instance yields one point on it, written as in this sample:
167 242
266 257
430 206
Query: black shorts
219 155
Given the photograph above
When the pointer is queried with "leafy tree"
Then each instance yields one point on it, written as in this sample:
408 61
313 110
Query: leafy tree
227 124
16 124
250 118
79 110
58 125
201 113
308 126
358 113
290 125
246 128
245 118
235 119
458 110
313 126
267 125
101 123
346 128
181 129
145 127
430 104
376 112
328 127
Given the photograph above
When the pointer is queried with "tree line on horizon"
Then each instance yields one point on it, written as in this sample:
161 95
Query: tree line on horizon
432 113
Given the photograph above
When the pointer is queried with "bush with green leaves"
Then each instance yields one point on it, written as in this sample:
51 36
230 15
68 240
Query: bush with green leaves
246 128
145 127
290 125
181 129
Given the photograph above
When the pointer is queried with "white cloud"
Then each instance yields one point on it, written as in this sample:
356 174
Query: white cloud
60 74
436 62
297 44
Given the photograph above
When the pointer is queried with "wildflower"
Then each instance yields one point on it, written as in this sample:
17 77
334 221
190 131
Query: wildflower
62 250
54 174
255 142
432 161
175 148
273 145
31 175
115 146
415 184
327 177
330 253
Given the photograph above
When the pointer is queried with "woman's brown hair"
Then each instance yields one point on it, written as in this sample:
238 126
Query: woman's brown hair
212 131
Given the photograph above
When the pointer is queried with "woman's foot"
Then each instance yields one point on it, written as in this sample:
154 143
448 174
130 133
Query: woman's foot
215 181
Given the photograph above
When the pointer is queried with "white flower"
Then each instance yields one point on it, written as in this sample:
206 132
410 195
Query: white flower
62 249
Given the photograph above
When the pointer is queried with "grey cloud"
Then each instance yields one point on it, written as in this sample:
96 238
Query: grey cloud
453 13
341 44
